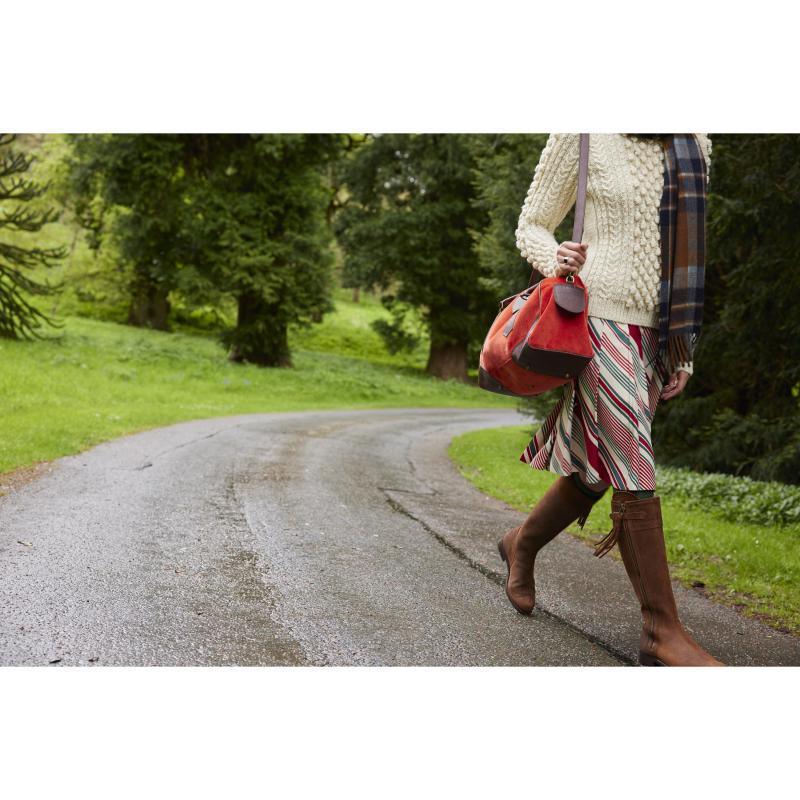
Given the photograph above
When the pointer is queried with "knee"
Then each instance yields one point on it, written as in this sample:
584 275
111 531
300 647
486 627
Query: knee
592 490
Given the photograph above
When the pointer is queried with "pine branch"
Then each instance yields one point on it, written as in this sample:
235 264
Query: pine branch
19 319
25 219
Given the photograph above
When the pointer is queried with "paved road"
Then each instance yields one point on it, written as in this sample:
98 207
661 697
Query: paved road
314 538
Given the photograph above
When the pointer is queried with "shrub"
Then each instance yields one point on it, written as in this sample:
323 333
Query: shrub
739 499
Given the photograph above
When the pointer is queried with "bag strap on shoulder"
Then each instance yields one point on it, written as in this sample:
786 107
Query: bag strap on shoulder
580 202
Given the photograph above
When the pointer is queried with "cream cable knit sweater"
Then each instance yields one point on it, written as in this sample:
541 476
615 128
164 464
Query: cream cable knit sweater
622 272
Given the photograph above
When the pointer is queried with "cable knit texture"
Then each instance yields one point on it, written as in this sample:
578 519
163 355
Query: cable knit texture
622 272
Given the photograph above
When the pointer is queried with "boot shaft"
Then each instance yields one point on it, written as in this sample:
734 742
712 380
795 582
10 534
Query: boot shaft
644 553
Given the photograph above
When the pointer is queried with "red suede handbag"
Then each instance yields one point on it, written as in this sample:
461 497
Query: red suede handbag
540 338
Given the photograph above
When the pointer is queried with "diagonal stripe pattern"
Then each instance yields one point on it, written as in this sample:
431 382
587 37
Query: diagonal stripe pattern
601 425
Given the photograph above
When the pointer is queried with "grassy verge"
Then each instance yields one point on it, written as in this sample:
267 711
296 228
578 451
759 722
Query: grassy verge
754 568
100 380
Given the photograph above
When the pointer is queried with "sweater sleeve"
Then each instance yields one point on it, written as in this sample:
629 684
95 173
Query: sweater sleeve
686 367
551 195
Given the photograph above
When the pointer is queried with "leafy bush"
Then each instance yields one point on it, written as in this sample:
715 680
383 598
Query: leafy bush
739 499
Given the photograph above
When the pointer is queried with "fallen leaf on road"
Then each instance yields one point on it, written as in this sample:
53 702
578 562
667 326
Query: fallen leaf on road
27 544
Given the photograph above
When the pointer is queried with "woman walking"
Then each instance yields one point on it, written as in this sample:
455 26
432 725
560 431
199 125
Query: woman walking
642 263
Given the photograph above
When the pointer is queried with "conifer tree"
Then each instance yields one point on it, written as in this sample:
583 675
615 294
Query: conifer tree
21 219
261 206
133 186
408 230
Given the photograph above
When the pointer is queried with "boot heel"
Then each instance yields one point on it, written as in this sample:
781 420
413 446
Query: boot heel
647 660
502 551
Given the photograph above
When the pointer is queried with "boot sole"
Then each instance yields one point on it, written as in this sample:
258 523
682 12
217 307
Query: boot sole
504 556
646 660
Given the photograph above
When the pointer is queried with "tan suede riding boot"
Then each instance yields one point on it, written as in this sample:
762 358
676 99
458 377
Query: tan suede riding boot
561 505
638 529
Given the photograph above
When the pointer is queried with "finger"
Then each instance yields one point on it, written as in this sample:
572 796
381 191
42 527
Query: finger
571 259
576 251
670 387
668 390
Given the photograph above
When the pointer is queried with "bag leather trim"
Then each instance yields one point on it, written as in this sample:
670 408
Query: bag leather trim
486 381
549 362
569 297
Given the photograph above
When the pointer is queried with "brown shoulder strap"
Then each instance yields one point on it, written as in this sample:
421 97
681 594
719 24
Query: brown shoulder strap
580 202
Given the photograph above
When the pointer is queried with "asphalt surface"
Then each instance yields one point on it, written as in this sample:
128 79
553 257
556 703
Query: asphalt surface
341 538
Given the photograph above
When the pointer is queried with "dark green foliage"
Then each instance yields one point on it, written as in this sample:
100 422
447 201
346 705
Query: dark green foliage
504 165
407 229
19 215
131 194
209 219
741 410
261 206
395 337
135 185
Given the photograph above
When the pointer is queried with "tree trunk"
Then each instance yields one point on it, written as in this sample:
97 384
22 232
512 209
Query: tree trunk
356 294
448 361
149 308
261 335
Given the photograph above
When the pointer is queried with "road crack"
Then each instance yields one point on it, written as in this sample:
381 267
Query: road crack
499 578
149 461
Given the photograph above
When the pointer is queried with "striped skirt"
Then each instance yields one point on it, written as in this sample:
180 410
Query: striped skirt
600 426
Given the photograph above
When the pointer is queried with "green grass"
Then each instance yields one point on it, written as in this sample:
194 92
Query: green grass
101 380
754 568
347 332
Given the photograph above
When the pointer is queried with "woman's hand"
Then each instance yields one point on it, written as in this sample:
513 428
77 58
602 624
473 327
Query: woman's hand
575 253
675 385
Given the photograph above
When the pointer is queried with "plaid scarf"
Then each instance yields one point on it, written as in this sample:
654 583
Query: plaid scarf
683 228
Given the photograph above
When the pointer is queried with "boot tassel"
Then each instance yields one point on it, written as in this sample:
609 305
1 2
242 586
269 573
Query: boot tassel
610 539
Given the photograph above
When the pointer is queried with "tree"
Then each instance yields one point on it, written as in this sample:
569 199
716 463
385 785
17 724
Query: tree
135 186
19 215
504 165
236 215
261 202
407 230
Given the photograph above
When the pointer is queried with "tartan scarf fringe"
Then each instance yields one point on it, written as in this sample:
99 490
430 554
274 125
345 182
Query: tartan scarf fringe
679 350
